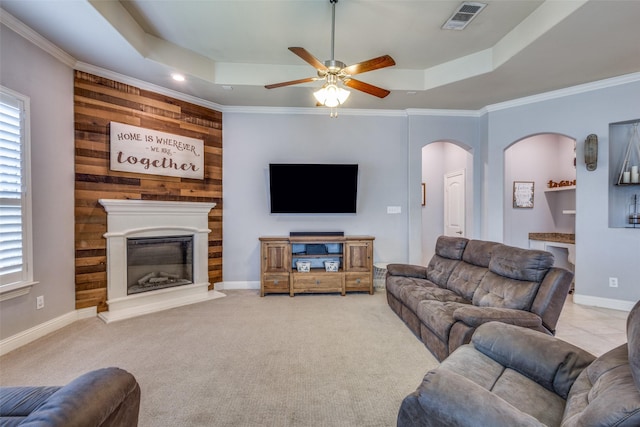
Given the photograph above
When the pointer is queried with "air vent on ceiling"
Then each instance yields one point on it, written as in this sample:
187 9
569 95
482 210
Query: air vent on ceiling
463 15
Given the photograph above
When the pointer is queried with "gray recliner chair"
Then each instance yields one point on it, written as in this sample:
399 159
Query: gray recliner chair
512 376
104 397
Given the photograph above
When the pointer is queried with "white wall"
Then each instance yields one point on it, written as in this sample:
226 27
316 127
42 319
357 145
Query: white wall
30 71
252 141
601 252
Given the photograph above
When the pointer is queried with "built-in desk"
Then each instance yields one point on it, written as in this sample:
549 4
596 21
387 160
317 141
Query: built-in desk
549 241
544 241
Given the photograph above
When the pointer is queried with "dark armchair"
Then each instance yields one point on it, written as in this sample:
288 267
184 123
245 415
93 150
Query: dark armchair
512 376
105 397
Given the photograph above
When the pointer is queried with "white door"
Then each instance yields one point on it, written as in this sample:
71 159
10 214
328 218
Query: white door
454 206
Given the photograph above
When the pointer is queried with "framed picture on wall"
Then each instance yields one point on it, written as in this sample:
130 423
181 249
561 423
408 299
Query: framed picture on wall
523 194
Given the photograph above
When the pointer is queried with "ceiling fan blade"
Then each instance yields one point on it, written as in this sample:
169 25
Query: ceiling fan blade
366 87
309 58
371 64
292 82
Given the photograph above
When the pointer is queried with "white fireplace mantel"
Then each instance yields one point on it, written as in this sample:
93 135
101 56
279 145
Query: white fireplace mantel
149 218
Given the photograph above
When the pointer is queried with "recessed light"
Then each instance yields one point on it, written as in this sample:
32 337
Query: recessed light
412 92
177 77
227 87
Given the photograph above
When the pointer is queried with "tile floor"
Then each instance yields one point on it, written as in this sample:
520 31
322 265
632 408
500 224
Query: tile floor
594 329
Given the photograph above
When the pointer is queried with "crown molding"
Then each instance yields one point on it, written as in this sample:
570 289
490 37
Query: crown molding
564 92
21 29
112 75
443 113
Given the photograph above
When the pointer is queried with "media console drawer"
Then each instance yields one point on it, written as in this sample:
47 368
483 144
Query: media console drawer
276 283
358 282
317 282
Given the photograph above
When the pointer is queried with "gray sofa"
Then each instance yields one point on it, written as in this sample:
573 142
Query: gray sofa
510 376
105 397
471 282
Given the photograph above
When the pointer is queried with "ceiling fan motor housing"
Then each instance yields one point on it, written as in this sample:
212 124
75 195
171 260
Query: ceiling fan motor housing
333 65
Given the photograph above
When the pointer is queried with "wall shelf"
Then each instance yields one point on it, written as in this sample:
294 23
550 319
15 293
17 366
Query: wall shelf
629 170
623 154
565 188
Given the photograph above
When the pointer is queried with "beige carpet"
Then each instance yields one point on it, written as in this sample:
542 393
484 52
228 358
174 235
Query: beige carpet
242 360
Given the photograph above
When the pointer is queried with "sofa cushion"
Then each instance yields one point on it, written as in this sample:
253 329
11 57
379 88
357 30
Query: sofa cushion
465 279
550 362
437 316
415 295
448 254
502 292
398 286
520 264
480 369
451 247
530 398
478 252
439 270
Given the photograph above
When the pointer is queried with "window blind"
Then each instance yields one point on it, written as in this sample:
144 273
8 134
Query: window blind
12 197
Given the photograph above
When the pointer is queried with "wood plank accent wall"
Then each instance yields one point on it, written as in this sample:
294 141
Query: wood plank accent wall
99 101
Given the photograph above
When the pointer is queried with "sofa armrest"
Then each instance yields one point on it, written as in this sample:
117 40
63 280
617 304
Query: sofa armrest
449 399
407 270
105 397
475 316
552 363
551 296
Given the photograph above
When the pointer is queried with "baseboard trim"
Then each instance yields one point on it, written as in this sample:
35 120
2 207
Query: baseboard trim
25 337
614 304
237 285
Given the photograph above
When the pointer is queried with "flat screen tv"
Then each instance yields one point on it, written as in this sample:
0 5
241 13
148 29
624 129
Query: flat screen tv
313 188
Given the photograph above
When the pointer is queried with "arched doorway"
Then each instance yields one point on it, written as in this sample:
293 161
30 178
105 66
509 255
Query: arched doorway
439 159
539 159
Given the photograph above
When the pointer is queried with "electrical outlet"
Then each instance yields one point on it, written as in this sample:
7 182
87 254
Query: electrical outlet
40 302
613 282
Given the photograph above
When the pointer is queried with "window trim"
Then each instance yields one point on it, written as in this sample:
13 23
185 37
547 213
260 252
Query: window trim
23 286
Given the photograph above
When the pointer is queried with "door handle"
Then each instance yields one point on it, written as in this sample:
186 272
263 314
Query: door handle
458 232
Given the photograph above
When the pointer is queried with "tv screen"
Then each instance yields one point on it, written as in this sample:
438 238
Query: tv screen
313 188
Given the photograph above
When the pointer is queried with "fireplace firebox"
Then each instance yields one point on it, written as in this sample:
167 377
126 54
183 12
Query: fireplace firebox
159 262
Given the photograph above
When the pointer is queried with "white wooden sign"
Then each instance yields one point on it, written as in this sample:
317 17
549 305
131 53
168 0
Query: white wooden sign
135 149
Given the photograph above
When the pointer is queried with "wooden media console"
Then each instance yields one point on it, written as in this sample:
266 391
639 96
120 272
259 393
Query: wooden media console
279 257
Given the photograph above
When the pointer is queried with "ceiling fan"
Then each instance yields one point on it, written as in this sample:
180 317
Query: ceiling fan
333 71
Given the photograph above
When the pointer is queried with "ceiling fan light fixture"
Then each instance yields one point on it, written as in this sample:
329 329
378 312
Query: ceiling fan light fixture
330 95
